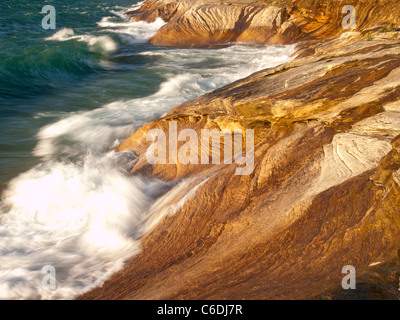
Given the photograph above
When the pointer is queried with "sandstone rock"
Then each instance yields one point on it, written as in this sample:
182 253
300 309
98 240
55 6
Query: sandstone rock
214 22
210 22
325 191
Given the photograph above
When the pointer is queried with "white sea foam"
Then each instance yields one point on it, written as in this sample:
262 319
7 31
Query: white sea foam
101 128
102 43
62 35
83 219
134 32
121 11
130 32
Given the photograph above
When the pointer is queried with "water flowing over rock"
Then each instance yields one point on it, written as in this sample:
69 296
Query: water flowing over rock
325 192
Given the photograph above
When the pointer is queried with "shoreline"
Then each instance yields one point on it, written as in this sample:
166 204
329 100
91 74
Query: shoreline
325 192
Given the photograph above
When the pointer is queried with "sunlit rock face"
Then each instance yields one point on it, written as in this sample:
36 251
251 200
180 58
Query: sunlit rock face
325 191
193 23
322 18
206 23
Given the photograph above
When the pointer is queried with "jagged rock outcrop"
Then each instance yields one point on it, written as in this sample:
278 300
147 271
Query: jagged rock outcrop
207 23
213 22
325 191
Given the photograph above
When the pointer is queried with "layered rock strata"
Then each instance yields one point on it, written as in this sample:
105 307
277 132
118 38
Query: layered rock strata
199 23
325 191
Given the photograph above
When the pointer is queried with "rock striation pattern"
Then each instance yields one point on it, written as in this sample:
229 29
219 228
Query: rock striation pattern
325 192
194 23
208 23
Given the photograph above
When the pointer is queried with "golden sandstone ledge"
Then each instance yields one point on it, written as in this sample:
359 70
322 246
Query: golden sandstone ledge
199 23
325 191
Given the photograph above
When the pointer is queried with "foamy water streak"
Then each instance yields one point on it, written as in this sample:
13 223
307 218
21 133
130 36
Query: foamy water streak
138 32
79 210
130 32
190 73
81 219
104 43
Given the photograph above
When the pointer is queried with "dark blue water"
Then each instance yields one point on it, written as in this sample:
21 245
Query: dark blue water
68 97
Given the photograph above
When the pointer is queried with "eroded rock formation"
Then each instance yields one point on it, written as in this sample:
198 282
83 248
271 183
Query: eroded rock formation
207 23
325 191
213 22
